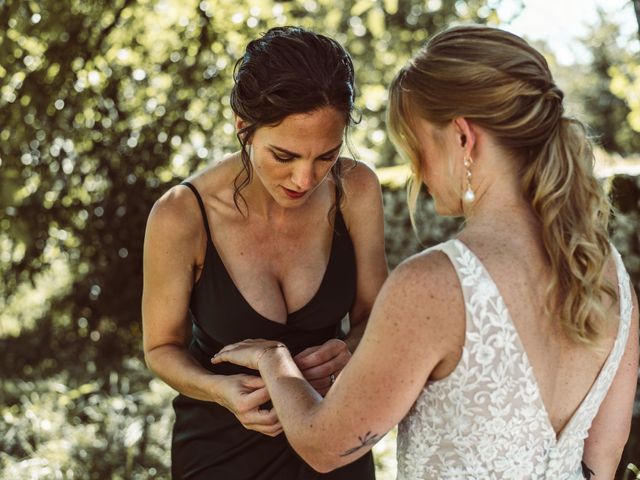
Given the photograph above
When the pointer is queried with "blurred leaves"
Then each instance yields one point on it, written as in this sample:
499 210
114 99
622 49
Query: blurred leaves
607 88
103 106
106 104
95 430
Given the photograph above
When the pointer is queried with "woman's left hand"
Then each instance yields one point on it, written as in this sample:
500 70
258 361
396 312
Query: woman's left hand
246 353
321 364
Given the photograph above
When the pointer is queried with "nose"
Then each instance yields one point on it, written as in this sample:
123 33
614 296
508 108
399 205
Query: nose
303 176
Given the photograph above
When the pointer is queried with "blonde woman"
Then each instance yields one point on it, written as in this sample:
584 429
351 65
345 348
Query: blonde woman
512 350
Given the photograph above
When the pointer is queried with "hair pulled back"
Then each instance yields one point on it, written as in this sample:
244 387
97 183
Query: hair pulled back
289 70
501 83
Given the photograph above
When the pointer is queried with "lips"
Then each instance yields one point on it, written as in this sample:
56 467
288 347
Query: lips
294 194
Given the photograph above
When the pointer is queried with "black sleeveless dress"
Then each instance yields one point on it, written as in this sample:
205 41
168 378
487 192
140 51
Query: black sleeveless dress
208 441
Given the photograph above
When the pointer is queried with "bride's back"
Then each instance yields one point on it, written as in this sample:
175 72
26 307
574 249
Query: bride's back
564 370
521 397
530 349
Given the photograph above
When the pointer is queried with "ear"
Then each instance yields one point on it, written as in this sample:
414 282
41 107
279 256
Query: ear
466 133
240 124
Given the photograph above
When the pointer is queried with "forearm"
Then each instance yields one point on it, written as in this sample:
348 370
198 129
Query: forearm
602 464
176 367
296 403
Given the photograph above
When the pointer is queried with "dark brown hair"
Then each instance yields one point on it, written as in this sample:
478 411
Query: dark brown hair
287 71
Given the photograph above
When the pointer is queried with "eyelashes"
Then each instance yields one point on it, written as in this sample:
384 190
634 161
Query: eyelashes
278 158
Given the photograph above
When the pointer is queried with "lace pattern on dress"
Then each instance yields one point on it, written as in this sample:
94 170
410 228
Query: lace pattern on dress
486 420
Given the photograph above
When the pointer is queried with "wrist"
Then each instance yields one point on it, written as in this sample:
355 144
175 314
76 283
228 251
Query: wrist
214 388
271 350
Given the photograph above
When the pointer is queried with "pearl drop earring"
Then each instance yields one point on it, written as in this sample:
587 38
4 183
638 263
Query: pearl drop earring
468 196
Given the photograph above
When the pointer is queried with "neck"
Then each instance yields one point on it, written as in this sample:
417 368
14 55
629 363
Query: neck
260 202
501 206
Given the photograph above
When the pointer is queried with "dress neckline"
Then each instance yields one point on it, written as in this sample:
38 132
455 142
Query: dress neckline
291 316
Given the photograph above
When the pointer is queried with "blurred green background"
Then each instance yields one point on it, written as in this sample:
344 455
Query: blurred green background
104 105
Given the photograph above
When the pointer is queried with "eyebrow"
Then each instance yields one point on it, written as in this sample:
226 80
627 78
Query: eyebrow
297 155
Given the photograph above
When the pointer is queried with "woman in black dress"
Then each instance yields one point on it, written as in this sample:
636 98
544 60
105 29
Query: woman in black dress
280 240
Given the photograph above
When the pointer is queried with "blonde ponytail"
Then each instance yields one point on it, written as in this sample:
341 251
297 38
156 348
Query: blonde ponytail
574 214
498 81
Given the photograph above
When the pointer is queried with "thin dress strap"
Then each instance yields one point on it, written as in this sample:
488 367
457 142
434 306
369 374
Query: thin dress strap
205 219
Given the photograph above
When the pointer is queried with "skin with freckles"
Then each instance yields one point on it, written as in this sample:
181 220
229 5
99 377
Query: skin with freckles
294 157
416 330
276 254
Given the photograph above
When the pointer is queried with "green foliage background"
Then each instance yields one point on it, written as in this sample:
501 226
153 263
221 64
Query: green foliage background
106 104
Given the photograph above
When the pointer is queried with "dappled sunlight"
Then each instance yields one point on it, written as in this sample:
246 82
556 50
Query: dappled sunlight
107 105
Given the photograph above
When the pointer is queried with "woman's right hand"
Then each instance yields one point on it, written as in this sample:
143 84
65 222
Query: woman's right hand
242 395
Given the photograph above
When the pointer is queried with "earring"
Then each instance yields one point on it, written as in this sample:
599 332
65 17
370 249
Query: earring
468 196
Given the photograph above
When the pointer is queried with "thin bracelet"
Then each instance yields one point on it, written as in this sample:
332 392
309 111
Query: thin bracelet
272 347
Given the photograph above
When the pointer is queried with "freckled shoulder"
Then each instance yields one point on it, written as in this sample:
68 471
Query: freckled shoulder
362 192
358 178
425 292
176 214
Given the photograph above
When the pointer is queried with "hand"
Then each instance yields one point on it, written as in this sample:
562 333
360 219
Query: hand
318 364
246 353
242 395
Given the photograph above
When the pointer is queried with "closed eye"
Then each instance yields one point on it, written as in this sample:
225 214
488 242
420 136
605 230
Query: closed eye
280 159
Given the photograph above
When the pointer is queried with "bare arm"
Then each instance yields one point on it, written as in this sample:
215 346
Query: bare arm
173 238
403 343
171 243
364 216
610 428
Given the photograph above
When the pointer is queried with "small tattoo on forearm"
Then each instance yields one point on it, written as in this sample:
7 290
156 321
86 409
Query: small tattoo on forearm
586 471
366 440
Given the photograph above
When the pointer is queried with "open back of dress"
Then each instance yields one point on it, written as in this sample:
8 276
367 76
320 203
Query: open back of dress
486 420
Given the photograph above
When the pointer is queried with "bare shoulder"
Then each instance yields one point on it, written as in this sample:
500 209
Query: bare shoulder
420 312
429 275
362 194
425 288
178 212
215 182
175 214
359 178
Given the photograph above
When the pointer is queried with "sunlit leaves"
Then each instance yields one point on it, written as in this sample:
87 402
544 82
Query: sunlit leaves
625 84
105 105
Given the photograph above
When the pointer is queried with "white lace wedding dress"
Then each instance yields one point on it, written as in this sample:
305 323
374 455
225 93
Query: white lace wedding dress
486 420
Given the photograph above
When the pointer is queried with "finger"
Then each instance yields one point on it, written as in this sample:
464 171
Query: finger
259 418
306 352
229 347
253 381
316 358
253 400
273 431
230 355
324 353
220 357
321 384
324 370
234 346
